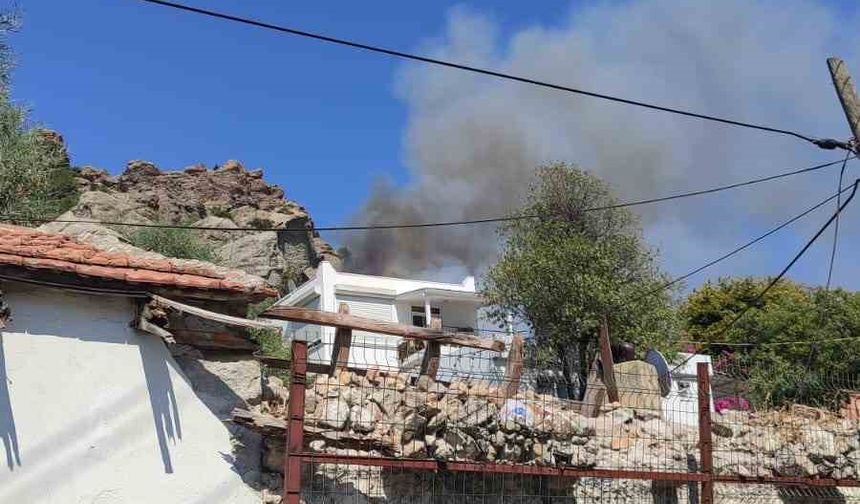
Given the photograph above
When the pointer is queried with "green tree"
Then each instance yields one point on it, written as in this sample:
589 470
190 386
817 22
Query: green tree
563 272
811 369
36 180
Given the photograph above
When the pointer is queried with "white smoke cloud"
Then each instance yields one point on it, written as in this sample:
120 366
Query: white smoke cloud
473 142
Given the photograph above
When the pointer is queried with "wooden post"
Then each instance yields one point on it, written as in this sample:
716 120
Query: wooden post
608 363
514 369
705 442
847 96
432 353
342 343
295 425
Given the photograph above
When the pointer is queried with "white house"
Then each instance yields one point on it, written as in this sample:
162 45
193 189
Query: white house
93 408
452 306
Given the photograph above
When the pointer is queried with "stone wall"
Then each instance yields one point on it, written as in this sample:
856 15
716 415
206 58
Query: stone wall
384 414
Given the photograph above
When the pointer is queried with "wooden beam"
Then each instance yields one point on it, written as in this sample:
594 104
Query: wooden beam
146 326
309 316
514 369
607 362
432 351
342 343
430 361
217 317
595 392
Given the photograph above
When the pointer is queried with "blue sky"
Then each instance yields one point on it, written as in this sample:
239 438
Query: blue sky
126 80
122 79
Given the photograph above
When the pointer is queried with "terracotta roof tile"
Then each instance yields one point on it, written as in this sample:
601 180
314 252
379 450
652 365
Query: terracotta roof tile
34 249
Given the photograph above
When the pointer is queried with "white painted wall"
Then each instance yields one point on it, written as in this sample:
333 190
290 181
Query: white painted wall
681 405
92 411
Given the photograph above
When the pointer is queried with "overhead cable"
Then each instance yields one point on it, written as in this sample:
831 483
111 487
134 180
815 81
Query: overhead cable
836 225
749 305
746 245
369 227
823 143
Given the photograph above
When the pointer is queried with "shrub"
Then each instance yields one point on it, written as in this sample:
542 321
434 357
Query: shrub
270 340
792 355
172 242
36 181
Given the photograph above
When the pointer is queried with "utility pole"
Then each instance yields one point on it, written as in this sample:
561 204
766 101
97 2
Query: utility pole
847 96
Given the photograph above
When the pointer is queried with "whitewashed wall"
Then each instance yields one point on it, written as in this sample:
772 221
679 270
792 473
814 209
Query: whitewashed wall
92 411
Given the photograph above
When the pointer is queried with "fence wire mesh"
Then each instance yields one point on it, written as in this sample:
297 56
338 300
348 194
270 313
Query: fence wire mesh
382 428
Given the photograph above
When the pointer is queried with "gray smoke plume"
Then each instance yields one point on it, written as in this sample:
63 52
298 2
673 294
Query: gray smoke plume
473 142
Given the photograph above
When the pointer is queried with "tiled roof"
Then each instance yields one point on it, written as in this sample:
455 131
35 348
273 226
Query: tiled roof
29 248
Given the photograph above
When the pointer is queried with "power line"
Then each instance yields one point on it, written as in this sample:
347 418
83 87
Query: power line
771 343
836 224
776 279
823 143
370 227
742 247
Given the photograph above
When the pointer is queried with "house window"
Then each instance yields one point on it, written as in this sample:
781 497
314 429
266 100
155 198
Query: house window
419 318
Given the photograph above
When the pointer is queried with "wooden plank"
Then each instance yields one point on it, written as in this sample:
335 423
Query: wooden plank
342 342
430 362
217 317
215 340
432 353
147 326
607 362
309 316
514 369
595 392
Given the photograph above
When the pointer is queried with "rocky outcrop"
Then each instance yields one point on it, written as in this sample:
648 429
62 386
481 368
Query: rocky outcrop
227 197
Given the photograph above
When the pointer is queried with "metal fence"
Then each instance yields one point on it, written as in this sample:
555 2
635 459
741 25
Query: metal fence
449 432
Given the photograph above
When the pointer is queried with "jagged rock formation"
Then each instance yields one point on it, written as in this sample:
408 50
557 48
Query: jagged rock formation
227 197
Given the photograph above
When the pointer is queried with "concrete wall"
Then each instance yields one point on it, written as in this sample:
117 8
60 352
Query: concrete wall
92 411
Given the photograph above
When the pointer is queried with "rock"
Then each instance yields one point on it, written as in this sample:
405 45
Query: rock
214 235
442 450
275 390
226 198
257 254
231 166
475 412
414 449
415 399
138 168
437 421
223 380
335 413
364 418
387 399
413 425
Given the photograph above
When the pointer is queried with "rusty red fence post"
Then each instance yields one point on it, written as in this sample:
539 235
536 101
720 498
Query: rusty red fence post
705 441
295 424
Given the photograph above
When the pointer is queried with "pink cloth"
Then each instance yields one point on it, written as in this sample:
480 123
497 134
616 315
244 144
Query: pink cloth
731 403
